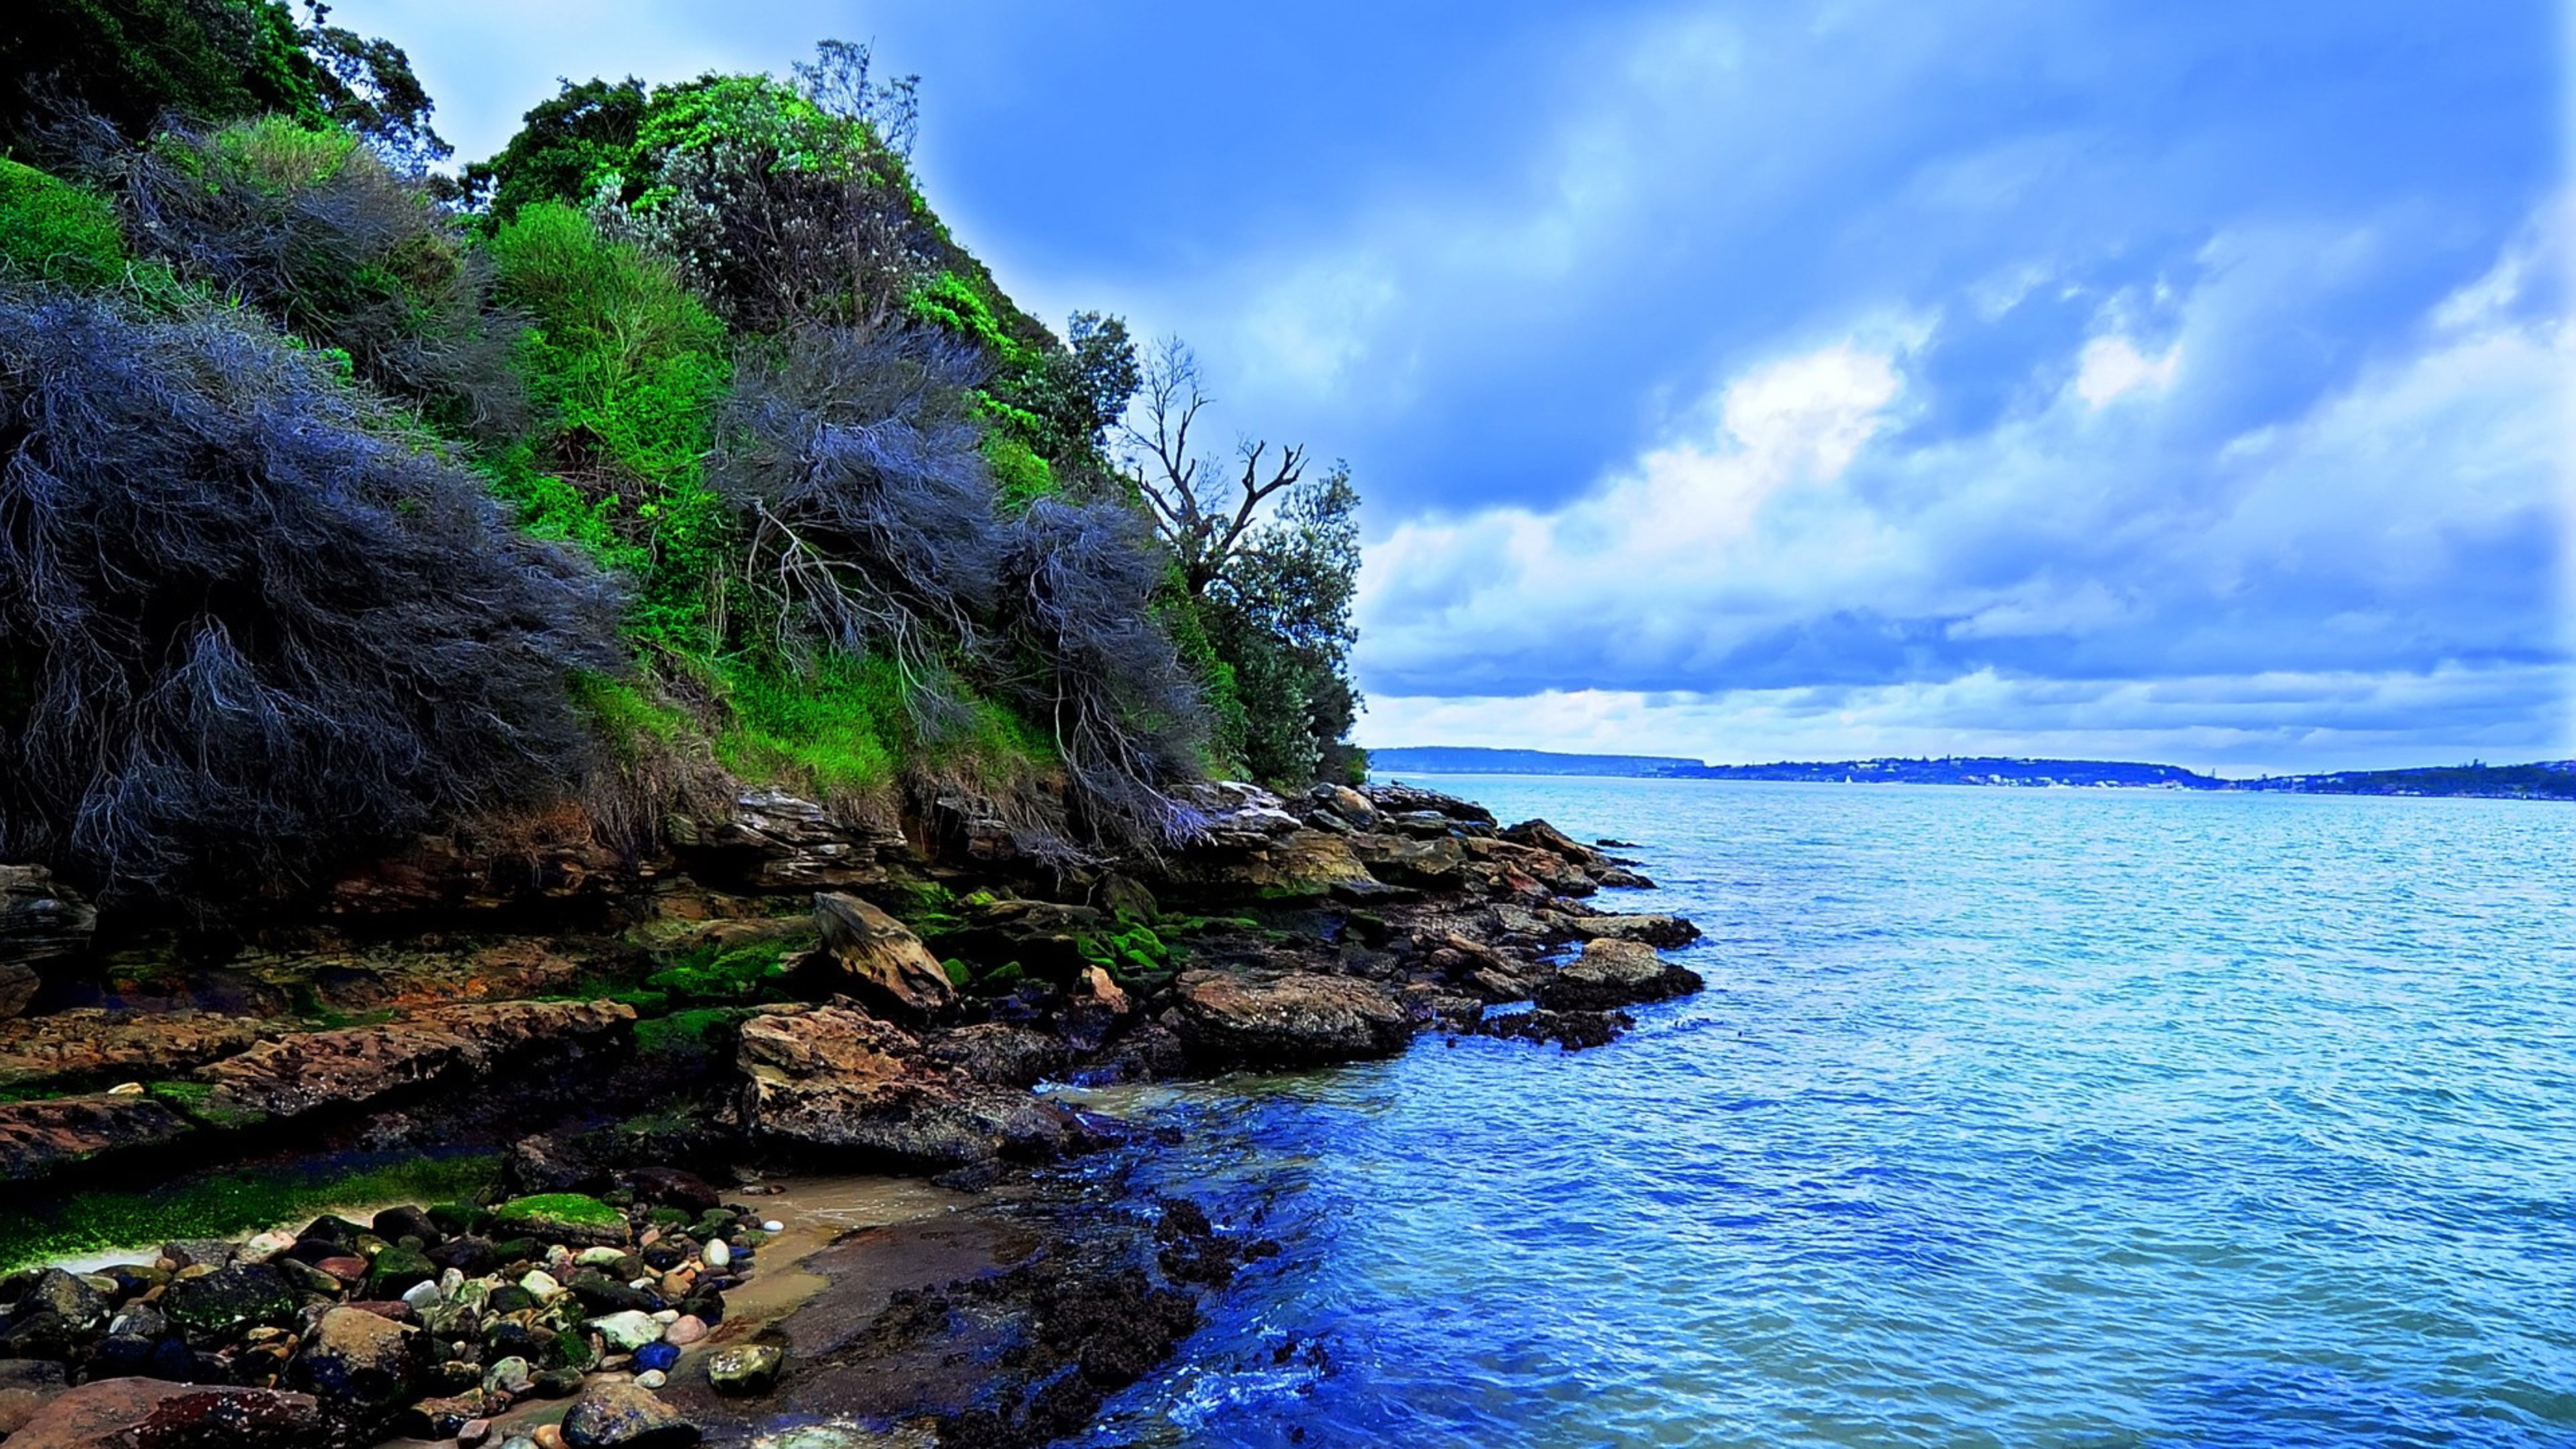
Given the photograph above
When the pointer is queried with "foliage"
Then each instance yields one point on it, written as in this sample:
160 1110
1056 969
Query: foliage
835 728
248 626
230 1204
138 63
316 232
748 972
53 231
568 146
628 370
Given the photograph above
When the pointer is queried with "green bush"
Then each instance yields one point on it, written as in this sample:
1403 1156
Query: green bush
53 231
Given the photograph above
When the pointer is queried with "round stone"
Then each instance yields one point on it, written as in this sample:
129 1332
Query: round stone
685 1330
717 1254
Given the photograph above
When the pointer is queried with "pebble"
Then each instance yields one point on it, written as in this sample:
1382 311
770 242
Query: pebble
264 1247
676 1284
666 1315
473 1432
126 1089
686 1329
716 1254
773 1226
651 1379
541 1285
548 1436
656 1356
421 1296
628 1330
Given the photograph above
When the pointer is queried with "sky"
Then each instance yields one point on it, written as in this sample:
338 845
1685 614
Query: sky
1769 380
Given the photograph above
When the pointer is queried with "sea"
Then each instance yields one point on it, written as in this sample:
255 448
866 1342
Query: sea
2010 1117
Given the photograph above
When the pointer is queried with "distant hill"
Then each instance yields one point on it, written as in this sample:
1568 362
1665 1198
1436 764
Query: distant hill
1461 760
2545 780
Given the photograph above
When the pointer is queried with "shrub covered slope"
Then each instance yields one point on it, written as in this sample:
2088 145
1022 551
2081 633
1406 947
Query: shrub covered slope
676 449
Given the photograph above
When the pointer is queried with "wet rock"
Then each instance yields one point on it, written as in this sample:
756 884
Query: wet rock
47 1136
444 1416
359 1358
745 1370
1571 1030
1613 973
628 1331
572 1218
1646 930
614 1414
1399 799
1045 937
135 1413
220 1304
77 1302
684 1330
832 1080
1294 862
669 1187
358 1065
1001 1055
1298 1019
88 1044
878 960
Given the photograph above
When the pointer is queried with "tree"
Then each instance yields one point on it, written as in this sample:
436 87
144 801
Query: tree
1266 561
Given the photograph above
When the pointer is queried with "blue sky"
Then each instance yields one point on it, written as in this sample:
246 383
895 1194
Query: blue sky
1761 380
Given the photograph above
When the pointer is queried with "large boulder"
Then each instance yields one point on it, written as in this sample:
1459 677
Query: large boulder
45 1136
1613 973
772 841
1406 860
94 1045
213 1307
347 1068
359 1358
1045 937
835 1082
1294 864
40 923
1294 1020
1401 799
150 1414
877 959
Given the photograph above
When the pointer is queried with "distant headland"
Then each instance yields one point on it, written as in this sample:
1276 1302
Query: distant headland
2542 780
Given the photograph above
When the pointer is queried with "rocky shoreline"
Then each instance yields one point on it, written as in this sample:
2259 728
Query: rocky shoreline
782 993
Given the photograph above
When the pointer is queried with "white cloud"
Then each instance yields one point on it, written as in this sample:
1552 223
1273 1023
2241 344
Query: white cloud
2111 366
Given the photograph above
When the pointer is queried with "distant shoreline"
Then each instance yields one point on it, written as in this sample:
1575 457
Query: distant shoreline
2541 780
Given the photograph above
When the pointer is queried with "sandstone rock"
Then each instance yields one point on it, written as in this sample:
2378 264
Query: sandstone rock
1397 799
1298 863
358 1357
774 841
1647 930
1405 861
878 960
27 1385
137 1413
1613 973
46 1136
745 1370
358 1065
1292 1020
615 1414
835 1081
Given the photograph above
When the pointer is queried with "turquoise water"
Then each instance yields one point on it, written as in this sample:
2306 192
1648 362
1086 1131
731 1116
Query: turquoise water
2017 1118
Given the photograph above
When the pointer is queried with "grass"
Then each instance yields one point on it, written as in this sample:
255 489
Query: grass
229 1205
54 231
571 1208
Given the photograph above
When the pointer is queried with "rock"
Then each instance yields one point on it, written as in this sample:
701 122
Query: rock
1646 930
89 1044
716 1254
1571 1030
77 1302
1400 799
669 1187
878 960
139 1413
1614 973
611 1414
1298 1019
357 1357
832 1080
47 1136
222 1303
41 922
1001 1055
1437 863
628 1331
397 1270
1355 809
262 1247
513 1376
27 1385
745 1369
443 1417
773 842
1045 937
573 1218
656 1356
684 1330
541 1285
358 1065
651 1379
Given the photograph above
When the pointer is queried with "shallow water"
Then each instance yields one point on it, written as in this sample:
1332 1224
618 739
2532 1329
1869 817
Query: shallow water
2016 1118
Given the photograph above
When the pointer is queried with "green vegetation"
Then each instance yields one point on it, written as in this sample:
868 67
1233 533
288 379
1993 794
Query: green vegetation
677 449
56 232
557 1209
229 1205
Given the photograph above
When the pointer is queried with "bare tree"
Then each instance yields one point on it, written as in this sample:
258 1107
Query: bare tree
1196 515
